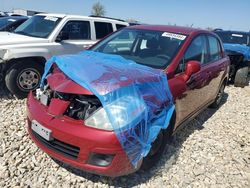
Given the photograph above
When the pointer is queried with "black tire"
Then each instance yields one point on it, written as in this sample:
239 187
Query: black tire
157 148
23 77
241 77
219 97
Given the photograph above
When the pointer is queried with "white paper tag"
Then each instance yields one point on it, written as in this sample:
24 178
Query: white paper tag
237 35
11 20
51 18
174 35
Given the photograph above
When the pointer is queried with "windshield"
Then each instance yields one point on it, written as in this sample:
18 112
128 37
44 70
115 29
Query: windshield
38 26
152 48
234 38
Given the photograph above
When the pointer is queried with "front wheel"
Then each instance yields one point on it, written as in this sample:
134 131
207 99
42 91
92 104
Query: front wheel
23 77
157 149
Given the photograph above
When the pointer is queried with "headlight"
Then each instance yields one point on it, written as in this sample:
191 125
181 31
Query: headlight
123 111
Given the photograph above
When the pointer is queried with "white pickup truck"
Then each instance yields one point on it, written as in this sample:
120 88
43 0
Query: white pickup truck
24 52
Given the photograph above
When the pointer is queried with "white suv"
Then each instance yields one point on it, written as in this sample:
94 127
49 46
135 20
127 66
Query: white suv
24 52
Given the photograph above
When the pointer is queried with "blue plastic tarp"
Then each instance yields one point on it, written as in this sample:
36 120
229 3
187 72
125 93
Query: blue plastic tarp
136 98
245 50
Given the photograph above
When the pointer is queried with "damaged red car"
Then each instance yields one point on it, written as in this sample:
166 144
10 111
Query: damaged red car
66 120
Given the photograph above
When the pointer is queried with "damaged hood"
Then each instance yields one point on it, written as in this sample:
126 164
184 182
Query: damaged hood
105 73
62 83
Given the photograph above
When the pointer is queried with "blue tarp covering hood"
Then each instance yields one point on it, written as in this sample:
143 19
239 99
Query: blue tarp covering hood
136 98
245 50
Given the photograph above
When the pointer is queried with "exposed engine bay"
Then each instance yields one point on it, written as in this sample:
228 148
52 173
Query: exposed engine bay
81 106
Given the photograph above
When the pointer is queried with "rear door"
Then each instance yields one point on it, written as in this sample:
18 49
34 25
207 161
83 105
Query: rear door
214 67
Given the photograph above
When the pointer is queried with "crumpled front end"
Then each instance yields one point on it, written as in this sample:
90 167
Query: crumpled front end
56 123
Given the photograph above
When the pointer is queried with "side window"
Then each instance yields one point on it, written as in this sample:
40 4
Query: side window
77 30
102 29
119 26
214 49
196 51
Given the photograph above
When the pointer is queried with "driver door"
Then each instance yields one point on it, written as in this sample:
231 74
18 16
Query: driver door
191 94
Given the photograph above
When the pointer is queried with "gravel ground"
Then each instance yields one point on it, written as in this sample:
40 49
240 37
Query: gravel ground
211 151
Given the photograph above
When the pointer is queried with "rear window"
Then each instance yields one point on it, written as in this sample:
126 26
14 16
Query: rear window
102 29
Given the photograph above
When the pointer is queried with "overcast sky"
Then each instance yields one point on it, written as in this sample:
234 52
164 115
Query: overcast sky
226 14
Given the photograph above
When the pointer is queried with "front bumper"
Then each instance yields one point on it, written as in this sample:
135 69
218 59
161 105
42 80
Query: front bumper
83 140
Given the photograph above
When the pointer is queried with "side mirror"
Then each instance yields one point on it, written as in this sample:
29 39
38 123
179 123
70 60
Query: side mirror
62 36
191 68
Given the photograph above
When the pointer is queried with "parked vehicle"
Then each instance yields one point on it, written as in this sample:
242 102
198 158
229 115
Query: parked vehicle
237 46
10 23
197 70
24 52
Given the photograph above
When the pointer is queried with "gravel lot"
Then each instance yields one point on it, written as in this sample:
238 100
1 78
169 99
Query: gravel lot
211 151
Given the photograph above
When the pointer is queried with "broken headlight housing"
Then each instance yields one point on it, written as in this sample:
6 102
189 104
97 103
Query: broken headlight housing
122 112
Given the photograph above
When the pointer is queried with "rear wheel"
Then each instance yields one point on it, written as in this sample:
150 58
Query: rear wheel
241 77
23 77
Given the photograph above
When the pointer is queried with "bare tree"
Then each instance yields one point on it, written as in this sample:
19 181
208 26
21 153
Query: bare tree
98 9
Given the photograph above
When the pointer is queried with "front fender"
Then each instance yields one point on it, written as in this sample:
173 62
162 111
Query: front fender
17 53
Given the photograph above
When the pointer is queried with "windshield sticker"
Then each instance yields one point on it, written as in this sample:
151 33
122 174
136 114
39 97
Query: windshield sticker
53 19
11 20
174 35
237 35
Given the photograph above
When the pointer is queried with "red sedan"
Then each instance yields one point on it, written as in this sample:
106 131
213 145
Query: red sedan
197 71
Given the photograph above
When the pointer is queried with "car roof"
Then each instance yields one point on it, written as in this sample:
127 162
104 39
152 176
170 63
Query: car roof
168 28
83 17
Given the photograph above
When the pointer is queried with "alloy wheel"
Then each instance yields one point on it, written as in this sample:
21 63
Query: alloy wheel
28 79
